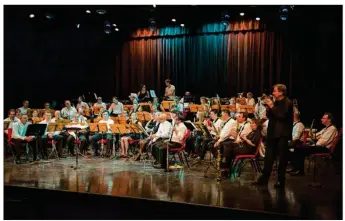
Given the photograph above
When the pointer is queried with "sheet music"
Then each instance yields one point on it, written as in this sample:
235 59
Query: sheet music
153 93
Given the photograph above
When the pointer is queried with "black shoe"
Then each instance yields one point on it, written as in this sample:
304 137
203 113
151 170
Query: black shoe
18 162
297 173
279 185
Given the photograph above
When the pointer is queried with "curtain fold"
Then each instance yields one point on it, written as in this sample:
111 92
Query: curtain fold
215 63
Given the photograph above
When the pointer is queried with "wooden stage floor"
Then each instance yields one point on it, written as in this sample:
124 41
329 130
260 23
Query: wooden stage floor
131 179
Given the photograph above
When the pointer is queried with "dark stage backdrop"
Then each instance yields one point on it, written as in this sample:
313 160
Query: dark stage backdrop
43 63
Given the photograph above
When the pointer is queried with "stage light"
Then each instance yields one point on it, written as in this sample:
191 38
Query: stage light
257 18
101 11
173 20
242 14
154 5
88 11
107 31
107 27
116 29
49 16
32 16
182 25
114 25
284 9
283 17
152 24
225 23
78 25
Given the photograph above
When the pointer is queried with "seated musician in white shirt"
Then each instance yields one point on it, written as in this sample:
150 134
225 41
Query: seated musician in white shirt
51 135
11 118
108 134
250 100
99 104
68 111
260 109
116 107
323 144
82 134
178 134
202 141
20 140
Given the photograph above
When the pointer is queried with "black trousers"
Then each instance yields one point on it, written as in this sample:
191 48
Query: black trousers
71 144
201 146
274 147
302 151
162 152
20 145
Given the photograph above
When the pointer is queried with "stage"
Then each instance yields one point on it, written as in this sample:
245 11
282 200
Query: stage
116 189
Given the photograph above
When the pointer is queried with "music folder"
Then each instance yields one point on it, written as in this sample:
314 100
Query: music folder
36 130
153 94
190 125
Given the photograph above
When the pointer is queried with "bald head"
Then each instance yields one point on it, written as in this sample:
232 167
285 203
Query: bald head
162 118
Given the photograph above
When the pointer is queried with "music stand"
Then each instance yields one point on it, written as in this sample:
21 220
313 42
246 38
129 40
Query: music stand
36 130
103 128
115 130
153 94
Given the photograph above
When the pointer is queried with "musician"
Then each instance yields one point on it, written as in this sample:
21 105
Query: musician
242 129
297 131
98 136
11 118
246 144
116 107
34 114
20 140
82 106
260 109
25 108
156 106
250 100
68 111
161 134
51 135
279 131
131 136
82 134
170 89
100 104
324 140
18 114
178 133
201 141
143 94
57 117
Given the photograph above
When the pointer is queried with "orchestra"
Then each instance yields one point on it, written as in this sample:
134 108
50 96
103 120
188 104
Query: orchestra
225 127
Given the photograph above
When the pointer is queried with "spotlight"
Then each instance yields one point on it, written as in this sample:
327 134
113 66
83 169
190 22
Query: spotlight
114 25
32 16
107 31
154 5
283 17
284 9
257 18
107 24
152 24
182 25
88 11
116 29
101 11
242 14
49 16
78 25
173 20
107 27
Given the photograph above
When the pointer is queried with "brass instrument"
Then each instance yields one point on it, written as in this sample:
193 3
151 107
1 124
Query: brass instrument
218 165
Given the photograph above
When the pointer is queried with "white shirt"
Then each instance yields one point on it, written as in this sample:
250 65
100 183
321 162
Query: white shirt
297 130
170 90
180 133
264 128
109 121
225 131
15 119
100 105
245 129
19 130
260 111
163 130
23 110
217 124
326 136
251 102
69 113
116 108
